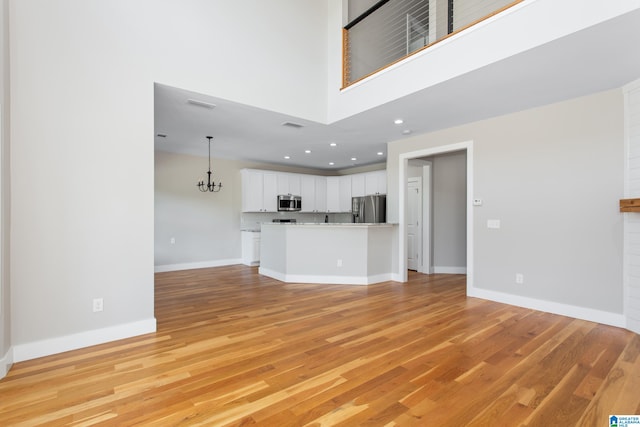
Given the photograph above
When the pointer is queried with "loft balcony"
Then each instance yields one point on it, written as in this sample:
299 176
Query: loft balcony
391 30
531 53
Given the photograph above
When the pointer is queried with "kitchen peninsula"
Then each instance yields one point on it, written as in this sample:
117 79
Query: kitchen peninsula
338 253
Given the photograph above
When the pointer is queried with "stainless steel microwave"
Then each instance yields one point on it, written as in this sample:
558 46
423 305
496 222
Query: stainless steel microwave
288 203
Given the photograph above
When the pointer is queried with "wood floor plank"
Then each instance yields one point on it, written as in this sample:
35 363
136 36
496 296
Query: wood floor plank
237 349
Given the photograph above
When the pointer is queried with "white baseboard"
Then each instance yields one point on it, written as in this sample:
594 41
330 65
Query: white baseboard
51 346
449 270
633 325
5 363
590 314
397 277
333 280
194 265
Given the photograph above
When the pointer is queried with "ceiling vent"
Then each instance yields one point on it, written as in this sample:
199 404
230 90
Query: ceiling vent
292 125
201 103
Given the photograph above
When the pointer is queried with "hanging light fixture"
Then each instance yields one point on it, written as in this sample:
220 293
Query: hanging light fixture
210 185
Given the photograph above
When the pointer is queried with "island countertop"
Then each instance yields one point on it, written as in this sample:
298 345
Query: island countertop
345 253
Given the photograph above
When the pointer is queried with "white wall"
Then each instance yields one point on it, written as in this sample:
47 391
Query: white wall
553 176
632 219
82 140
206 226
5 199
449 212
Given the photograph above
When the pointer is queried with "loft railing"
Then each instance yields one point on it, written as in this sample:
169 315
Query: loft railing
391 30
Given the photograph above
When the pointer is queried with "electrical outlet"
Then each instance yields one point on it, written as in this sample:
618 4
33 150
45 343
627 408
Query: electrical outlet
339 263
98 304
173 240
519 278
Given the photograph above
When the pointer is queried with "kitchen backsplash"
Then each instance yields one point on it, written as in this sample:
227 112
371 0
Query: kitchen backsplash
252 220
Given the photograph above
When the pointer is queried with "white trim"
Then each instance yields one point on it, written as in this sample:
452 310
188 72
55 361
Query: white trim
5 363
402 197
56 345
427 217
449 270
630 323
590 314
194 265
332 280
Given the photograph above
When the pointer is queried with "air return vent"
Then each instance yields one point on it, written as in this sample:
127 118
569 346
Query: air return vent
201 103
292 125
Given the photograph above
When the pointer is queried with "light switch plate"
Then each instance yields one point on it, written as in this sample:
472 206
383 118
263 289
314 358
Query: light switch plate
493 223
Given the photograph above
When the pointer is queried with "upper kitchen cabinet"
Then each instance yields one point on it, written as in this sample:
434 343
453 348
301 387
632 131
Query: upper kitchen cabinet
375 182
357 185
339 193
365 184
345 193
313 190
289 183
259 190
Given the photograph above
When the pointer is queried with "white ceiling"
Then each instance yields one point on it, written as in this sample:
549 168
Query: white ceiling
599 58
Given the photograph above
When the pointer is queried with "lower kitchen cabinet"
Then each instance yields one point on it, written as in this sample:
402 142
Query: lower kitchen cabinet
251 248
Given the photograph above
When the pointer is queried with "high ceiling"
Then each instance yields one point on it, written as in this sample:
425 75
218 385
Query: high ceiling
599 58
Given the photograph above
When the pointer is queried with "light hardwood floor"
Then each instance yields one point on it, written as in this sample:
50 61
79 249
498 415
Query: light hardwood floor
234 348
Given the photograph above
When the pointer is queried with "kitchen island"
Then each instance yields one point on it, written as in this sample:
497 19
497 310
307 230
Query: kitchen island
345 253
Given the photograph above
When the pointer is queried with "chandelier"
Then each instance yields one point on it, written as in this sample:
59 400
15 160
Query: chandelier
210 185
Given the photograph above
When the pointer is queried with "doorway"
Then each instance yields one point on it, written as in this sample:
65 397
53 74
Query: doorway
403 197
419 210
414 224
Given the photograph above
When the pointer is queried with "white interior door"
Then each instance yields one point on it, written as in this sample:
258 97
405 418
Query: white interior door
414 224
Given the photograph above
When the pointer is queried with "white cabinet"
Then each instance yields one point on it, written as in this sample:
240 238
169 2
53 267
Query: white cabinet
313 190
339 193
288 183
251 247
321 194
333 194
345 193
270 192
251 190
375 182
259 191
357 185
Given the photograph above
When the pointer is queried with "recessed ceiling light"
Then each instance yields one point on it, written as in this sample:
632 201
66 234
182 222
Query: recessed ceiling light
406 132
333 144
353 159
380 153
398 121
287 157
331 163
307 151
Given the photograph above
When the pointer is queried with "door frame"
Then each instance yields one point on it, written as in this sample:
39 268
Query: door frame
402 200
427 217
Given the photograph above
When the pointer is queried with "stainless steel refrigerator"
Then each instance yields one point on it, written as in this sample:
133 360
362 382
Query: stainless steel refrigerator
369 209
